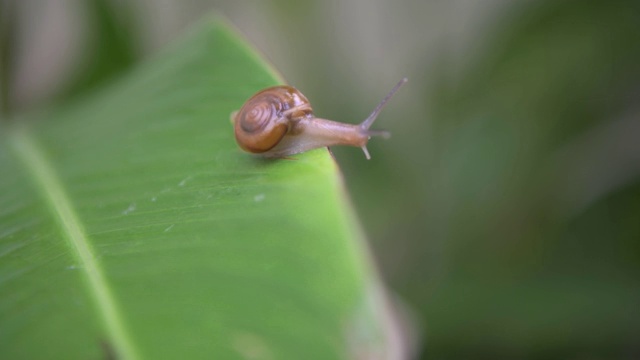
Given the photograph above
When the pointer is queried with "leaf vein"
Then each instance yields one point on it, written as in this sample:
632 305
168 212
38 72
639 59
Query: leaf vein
47 181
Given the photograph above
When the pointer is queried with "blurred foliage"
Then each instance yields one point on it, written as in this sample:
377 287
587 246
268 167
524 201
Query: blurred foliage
111 46
7 30
533 266
505 207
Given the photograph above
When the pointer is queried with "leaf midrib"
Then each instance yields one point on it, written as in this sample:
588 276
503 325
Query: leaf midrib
46 181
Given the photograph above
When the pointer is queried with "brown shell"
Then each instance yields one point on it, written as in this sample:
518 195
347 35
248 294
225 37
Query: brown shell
268 116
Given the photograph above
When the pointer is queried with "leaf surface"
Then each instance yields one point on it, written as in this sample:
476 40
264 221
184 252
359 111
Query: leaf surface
132 226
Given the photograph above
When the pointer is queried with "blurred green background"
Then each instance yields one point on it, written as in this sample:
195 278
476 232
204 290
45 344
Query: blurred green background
504 212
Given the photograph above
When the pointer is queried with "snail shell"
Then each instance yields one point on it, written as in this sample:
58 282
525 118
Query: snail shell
268 116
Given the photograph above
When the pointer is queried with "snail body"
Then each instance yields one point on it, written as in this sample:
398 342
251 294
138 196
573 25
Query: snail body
279 121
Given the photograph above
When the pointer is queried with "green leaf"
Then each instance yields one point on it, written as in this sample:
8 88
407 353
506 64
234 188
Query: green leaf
132 226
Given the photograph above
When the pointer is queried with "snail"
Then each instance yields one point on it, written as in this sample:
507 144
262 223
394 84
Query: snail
279 121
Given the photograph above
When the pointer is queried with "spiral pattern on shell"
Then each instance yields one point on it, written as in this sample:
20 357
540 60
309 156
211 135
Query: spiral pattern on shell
256 114
261 122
